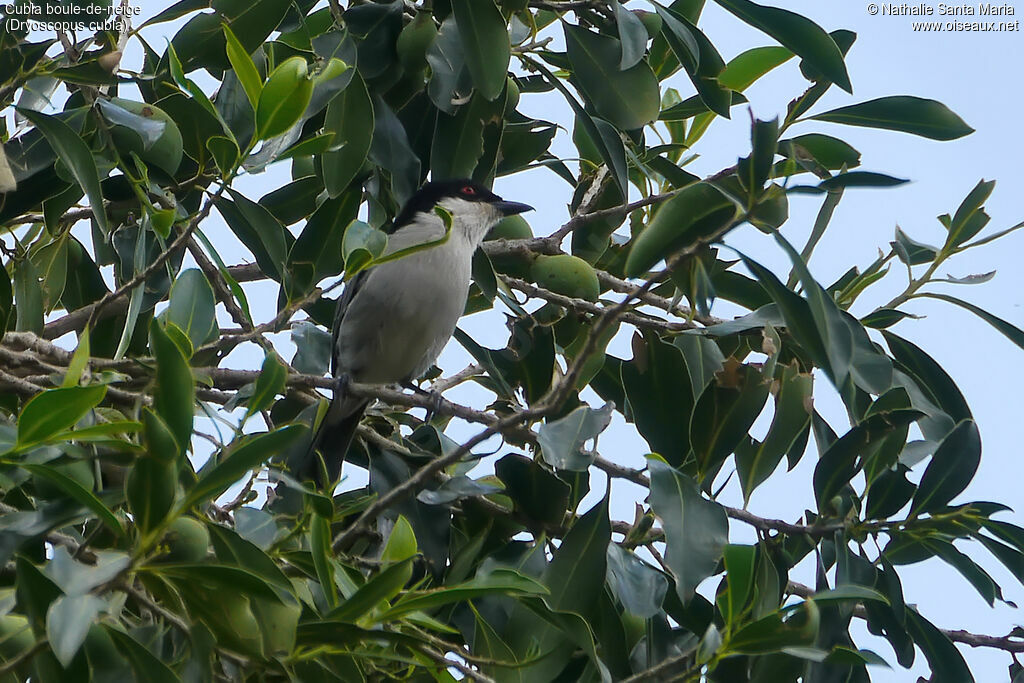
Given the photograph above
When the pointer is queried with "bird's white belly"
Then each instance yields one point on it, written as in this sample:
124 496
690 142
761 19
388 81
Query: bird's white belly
403 315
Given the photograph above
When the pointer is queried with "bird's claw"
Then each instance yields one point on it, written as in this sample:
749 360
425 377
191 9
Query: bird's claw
435 399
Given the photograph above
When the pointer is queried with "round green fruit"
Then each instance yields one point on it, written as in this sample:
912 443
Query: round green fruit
79 470
510 228
567 275
187 540
414 41
166 152
512 98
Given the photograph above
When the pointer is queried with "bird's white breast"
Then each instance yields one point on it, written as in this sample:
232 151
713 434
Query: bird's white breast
406 310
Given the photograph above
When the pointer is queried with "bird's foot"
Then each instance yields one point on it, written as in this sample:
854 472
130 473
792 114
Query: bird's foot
341 383
434 396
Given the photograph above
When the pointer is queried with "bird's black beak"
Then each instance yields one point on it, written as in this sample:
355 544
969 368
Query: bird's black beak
511 208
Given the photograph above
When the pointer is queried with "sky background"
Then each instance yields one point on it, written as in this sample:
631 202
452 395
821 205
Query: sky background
978 78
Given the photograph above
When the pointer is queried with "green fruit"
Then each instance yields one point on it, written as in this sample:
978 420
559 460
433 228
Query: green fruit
510 228
566 275
79 470
651 21
278 623
284 98
512 98
187 540
165 153
414 41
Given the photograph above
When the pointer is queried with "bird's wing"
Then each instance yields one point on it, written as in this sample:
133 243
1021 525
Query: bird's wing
351 289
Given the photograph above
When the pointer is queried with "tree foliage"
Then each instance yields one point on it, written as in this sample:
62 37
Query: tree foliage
127 552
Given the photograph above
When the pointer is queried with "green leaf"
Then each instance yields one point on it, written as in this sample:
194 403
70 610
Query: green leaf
145 665
1011 332
77 492
350 117
192 307
799 34
497 582
315 254
259 231
638 586
53 411
284 98
562 440
245 69
270 383
696 529
628 99
941 654
792 400
150 489
6 299
219 576
320 551
632 36
746 68
242 456
969 218
840 462
772 633
79 360
697 212
381 588
174 396
76 156
739 570
951 469
575 575
536 492
724 413
361 245
657 386
849 593
29 296
700 58
831 153
604 137
904 113
911 252
68 621
850 179
486 46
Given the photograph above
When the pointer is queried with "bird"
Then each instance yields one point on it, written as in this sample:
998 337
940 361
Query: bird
393 319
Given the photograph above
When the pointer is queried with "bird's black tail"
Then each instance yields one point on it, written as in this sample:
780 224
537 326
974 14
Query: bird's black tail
332 440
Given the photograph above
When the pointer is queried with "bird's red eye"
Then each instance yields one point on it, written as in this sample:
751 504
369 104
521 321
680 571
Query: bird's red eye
469 190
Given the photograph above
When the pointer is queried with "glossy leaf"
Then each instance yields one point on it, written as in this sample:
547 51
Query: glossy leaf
486 46
68 621
696 529
76 157
698 212
904 113
217 476
350 117
575 576
627 99
174 396
269 384
192 307
639 587
798 33
54 411
951 468
562 440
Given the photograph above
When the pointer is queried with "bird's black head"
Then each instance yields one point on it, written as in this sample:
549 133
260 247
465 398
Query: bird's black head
434 192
